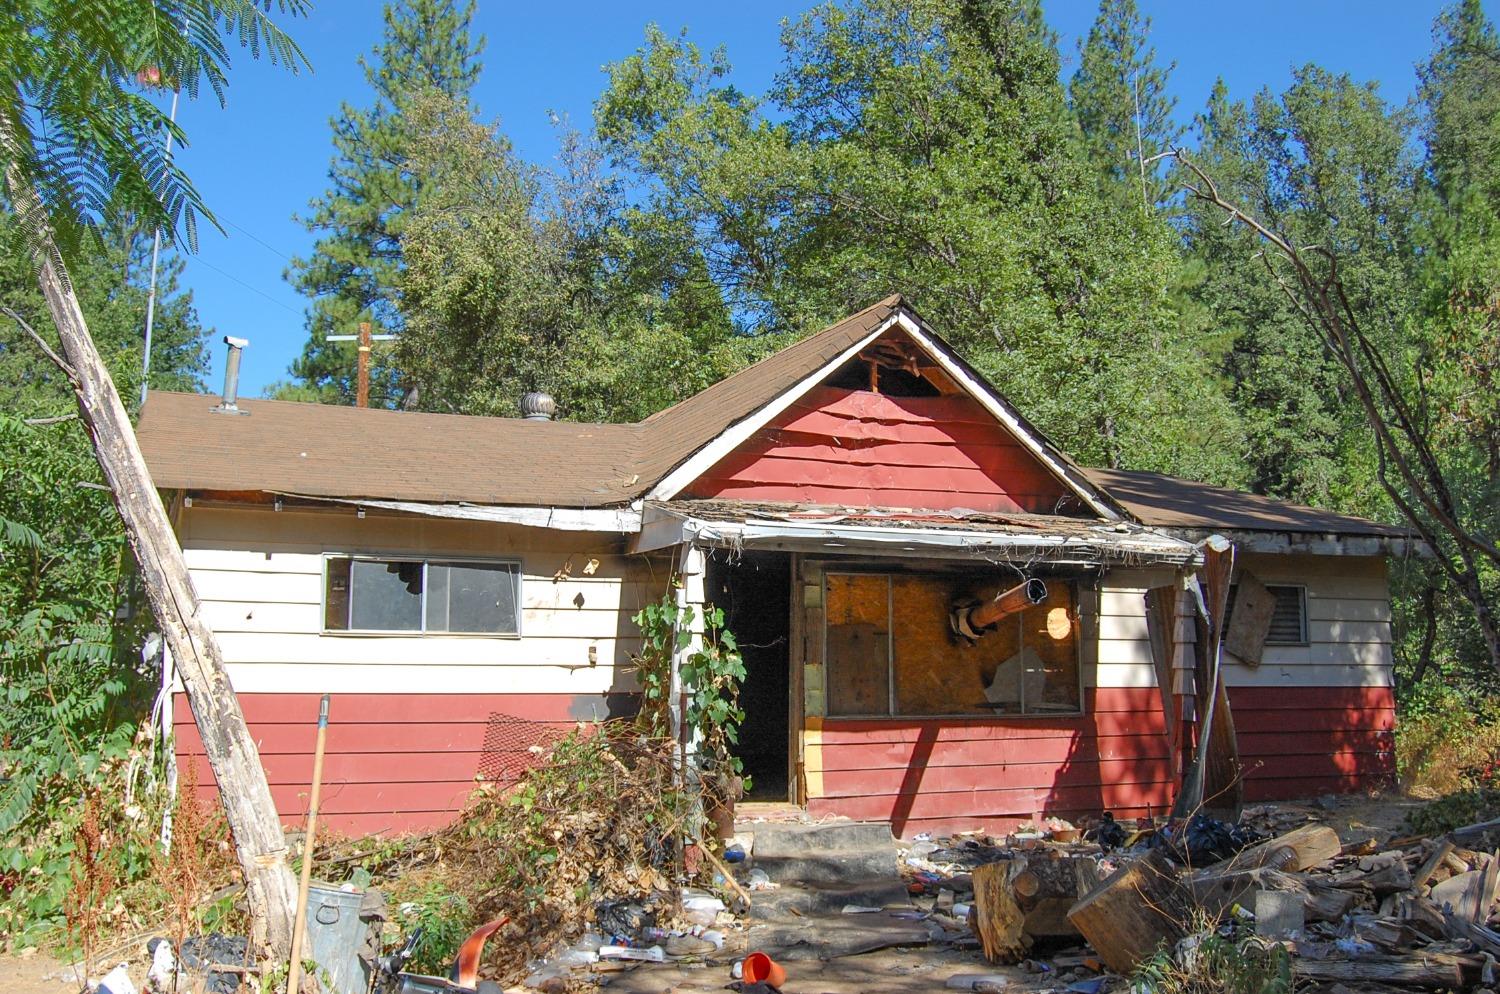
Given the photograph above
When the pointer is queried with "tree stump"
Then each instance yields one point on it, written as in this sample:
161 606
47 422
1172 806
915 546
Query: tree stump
1138 909
1020 899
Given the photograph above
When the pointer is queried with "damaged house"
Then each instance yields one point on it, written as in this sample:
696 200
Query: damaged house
944 618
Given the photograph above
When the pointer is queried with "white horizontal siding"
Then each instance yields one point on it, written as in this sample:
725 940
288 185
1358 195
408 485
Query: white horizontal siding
259 576
426 678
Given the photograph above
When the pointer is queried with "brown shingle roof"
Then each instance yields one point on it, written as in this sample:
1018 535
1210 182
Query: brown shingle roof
328 451
1168 502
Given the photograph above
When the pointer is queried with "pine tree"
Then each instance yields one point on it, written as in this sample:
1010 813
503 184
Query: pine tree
354 268
1119 95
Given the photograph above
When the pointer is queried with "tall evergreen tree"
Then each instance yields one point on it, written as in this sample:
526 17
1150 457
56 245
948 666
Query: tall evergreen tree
929 149
1119 95
354 268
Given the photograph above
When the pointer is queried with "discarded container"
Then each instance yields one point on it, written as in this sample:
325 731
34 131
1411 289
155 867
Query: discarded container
654 954
702 910
961 911
734 854
977 982
759 968
117 981
335 935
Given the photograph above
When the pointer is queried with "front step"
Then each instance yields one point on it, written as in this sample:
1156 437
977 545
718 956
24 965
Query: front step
775 840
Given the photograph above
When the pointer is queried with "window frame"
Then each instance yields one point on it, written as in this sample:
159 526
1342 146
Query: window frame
890 573
515 562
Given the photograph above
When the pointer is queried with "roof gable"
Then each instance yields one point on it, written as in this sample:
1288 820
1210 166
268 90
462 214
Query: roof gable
891 341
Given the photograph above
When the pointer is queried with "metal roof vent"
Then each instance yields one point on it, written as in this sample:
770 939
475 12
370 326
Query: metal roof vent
230 403
538 406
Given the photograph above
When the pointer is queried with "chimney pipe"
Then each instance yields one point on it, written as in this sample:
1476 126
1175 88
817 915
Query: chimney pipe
538 406
969 620
230 403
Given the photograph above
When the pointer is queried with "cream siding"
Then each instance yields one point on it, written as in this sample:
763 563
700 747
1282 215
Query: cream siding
259 575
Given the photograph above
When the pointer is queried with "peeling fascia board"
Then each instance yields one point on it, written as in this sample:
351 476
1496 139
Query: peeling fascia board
1003 413
1309 543
736 434
1139 547
624 520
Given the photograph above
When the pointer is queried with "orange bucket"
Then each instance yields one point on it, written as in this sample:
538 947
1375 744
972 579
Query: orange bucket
758 968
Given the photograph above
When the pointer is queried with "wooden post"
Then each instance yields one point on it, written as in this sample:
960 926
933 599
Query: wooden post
270 889
362 392
294 968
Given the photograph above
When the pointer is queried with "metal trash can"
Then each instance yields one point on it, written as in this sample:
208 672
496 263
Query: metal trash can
335 938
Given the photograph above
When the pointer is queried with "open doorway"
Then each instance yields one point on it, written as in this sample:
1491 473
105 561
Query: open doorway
754 591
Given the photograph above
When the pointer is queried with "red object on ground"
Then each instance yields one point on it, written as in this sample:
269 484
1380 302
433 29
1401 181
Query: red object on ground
466 964
758 968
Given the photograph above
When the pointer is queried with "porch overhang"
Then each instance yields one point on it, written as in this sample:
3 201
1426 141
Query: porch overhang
957 535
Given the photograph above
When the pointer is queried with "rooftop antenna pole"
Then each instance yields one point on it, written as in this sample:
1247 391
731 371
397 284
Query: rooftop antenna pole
364 338
155 251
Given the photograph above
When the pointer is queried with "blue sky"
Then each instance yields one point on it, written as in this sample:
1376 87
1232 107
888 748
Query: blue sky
261 158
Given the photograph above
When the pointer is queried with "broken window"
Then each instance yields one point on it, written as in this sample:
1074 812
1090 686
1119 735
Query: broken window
413 595
889 649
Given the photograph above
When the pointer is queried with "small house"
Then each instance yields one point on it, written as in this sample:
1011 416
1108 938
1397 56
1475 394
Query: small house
464 587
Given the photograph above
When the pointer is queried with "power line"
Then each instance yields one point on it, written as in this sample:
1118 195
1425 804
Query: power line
230 276
254 237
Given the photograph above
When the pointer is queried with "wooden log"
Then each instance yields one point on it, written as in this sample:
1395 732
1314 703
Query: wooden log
1390 878
1021 899
1460 893
1486 896
1138 909
1300 849
270 888
1419 969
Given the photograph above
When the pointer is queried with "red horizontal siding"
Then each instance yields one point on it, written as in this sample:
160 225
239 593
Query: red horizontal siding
952 774
861 448
393 762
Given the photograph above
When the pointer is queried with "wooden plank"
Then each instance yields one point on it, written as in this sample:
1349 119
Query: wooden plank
422 708
1250 619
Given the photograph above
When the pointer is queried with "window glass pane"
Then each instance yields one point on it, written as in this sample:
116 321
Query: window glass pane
1050 652
938 674
480 597
857 654
336 596
385 596
437 597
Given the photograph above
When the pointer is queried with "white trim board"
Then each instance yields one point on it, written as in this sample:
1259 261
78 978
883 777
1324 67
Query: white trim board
624 520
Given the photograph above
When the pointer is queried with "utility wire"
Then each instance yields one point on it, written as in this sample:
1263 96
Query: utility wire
253 289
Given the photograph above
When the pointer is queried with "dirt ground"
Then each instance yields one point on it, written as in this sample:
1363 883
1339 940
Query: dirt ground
1356 818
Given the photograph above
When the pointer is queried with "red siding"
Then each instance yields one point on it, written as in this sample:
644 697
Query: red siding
859 448
957 774
393 762
407 762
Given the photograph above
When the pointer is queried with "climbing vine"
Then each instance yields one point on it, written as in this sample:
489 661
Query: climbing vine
712 670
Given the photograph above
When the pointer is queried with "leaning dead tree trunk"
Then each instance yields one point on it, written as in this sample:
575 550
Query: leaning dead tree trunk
270 888
1408 467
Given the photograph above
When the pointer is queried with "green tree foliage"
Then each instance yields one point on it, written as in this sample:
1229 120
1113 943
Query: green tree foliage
519 280
1119 96
1327 162
928 149
89 141
1456 328
352 273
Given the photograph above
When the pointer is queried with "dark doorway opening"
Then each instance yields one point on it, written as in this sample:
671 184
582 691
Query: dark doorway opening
754 591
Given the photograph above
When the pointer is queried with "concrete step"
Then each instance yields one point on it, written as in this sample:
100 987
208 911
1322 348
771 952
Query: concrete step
774 840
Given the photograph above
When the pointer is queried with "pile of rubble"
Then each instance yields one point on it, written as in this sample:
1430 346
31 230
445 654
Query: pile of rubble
1081 909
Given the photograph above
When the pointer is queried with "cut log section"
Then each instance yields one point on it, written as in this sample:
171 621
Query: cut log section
1300 849
1022 899
1140 908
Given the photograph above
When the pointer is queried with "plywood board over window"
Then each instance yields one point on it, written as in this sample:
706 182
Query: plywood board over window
891 652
